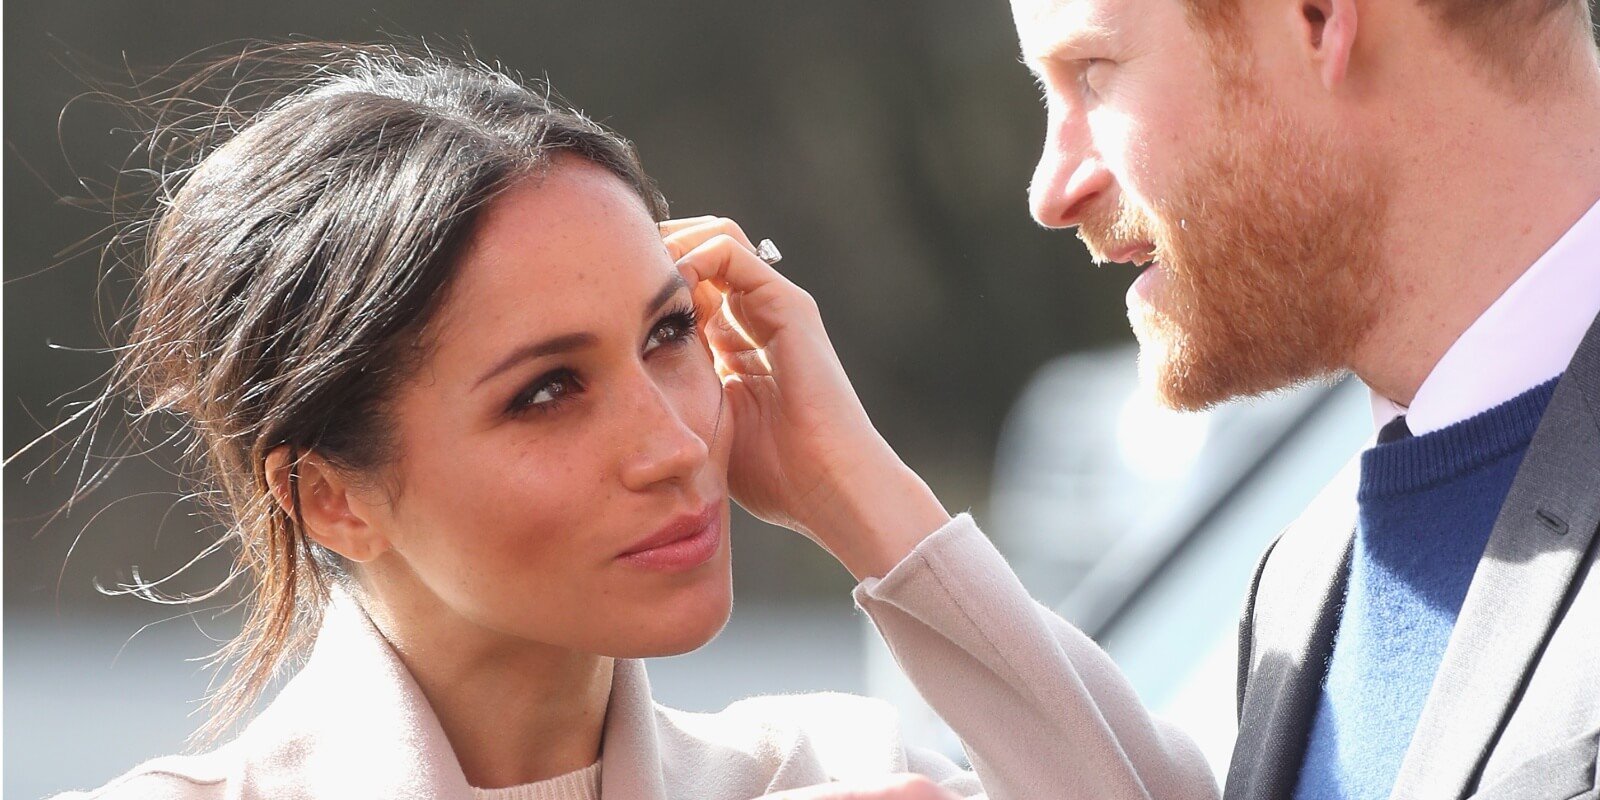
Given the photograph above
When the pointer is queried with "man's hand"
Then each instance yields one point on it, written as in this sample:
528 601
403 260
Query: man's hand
893 787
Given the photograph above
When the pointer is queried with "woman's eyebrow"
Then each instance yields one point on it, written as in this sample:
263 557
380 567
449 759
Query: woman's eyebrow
568 342
564 343
674 284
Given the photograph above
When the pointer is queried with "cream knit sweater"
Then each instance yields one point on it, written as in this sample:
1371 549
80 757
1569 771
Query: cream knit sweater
1042 712
583 784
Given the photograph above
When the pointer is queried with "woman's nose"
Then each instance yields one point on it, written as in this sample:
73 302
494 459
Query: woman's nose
665 448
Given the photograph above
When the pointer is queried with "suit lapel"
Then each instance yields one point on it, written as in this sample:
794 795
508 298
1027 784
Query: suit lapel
1296 613
1544 528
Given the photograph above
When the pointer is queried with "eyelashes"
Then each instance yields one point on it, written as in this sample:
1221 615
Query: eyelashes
1087 75
548 392
554 389
683 321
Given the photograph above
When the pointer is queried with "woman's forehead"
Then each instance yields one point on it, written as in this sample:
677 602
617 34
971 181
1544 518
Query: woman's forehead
574 211
566 244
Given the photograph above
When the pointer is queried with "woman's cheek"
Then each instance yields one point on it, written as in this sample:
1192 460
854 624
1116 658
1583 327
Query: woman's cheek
697 393
525 493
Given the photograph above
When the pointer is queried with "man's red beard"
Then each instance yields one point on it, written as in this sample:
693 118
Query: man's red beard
1269 249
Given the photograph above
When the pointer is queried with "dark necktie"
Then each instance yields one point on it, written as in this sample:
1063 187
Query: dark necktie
1394 431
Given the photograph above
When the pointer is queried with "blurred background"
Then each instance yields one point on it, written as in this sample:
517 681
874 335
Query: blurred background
885 147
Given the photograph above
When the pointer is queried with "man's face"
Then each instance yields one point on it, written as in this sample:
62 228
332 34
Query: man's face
1165 145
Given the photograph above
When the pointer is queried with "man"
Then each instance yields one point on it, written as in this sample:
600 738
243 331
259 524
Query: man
1408 191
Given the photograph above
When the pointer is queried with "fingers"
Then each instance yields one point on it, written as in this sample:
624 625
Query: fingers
761 299
715 252
684 235
672 226
708 306
730 349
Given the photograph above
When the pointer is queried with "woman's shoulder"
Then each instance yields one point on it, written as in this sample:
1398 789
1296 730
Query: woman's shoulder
843 735
174 777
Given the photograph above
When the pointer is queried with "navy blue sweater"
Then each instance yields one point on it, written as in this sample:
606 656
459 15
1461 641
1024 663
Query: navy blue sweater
1427 505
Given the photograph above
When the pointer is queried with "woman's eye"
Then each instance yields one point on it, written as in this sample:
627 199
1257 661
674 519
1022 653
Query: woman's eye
678 326
546 393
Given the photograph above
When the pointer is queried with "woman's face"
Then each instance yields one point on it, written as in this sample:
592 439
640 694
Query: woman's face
565 419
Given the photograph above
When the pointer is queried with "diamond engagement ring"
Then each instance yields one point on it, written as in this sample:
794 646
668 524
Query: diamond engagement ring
768 252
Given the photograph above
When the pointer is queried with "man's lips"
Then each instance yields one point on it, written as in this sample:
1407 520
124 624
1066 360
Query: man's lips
1136 254
686 539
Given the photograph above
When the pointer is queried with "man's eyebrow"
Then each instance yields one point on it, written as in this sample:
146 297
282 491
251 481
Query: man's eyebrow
1033 69
1082 37
567 342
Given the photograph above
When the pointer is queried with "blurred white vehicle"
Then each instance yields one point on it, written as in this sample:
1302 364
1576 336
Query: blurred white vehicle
1142 525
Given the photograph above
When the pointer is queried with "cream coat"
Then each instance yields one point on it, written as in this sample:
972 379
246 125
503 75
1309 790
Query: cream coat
1041 710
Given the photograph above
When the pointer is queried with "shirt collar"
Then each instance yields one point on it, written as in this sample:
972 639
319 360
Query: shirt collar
1526 337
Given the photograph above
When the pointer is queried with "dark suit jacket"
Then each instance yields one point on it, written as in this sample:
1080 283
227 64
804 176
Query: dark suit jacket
1515 708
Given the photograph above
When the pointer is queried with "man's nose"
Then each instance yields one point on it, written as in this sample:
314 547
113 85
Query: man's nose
664 447
1064 184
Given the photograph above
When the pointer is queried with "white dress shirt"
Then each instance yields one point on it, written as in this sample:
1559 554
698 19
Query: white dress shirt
1526 337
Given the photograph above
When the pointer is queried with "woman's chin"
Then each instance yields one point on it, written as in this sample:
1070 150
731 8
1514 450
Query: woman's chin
680 626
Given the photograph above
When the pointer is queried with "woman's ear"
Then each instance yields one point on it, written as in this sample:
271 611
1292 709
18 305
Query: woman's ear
330 513
1328 34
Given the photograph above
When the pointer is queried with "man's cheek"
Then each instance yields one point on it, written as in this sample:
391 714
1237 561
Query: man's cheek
1117 139
1139 165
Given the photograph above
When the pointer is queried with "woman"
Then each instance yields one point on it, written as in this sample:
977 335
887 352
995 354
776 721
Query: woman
450 378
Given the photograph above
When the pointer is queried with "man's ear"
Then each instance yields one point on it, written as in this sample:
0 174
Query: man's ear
1328 34
332 516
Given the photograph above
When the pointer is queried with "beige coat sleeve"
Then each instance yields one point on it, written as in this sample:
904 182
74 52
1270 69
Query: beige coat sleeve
1041 709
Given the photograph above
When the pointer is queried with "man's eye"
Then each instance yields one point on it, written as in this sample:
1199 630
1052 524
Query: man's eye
1093 75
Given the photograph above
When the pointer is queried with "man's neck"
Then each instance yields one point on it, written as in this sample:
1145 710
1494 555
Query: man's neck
1486 186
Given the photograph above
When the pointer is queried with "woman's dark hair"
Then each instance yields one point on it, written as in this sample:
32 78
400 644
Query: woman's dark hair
290 269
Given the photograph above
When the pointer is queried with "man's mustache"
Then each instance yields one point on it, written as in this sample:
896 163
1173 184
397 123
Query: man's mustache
1112 230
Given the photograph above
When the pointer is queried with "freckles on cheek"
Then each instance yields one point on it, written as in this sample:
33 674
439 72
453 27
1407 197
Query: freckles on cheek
524 506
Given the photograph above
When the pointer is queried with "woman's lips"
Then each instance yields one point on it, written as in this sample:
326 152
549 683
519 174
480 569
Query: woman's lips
685 542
